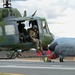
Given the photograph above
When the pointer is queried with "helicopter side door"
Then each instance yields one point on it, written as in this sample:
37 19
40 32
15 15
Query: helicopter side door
9 34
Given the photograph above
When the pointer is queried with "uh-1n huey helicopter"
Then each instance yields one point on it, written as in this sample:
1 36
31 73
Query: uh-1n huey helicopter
10 39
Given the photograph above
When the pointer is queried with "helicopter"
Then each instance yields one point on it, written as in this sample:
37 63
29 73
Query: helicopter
10 39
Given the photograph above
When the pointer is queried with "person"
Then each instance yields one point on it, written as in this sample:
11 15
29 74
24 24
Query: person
35 28
33 36
22 32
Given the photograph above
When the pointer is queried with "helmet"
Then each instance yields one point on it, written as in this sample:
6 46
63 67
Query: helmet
34 27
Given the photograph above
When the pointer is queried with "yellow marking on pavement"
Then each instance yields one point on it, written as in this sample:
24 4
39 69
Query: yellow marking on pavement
11 74
74 59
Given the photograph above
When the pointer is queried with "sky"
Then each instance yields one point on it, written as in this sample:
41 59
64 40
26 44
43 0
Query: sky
60 14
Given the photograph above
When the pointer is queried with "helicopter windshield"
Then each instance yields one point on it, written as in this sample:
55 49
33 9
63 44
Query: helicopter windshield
45 27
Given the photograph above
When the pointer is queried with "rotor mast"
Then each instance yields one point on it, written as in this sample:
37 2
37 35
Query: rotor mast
6 3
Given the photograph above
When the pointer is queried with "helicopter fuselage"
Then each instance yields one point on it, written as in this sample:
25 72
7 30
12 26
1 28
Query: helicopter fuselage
9 32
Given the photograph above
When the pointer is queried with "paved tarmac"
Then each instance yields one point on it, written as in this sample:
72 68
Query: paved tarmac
38 67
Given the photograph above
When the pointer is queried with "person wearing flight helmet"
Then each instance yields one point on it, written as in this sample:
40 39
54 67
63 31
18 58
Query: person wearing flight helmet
33 32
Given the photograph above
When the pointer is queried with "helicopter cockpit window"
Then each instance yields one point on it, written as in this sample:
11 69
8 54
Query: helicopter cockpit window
10 29
0 31
45 28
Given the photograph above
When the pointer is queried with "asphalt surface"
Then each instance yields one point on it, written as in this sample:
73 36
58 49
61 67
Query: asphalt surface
37 67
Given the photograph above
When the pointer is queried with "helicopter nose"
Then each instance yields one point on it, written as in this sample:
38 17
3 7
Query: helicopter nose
52 46
53 37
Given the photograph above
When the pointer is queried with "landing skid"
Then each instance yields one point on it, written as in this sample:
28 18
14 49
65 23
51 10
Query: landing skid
10 54
15 54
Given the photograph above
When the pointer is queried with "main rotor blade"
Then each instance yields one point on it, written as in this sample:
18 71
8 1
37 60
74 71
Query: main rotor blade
1 1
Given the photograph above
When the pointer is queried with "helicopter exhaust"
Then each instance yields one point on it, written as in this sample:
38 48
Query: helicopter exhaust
25 13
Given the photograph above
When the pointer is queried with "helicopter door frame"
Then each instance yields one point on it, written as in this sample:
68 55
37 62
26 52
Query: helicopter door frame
46 32
45 27
40 29
1 31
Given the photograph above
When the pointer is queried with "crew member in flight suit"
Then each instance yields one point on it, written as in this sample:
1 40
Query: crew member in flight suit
33 36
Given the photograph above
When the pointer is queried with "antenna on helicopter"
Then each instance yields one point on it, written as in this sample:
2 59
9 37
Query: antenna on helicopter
34 13
6 3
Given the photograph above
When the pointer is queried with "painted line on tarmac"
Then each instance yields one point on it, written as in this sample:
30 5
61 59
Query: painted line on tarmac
11 74
25 60
31 67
